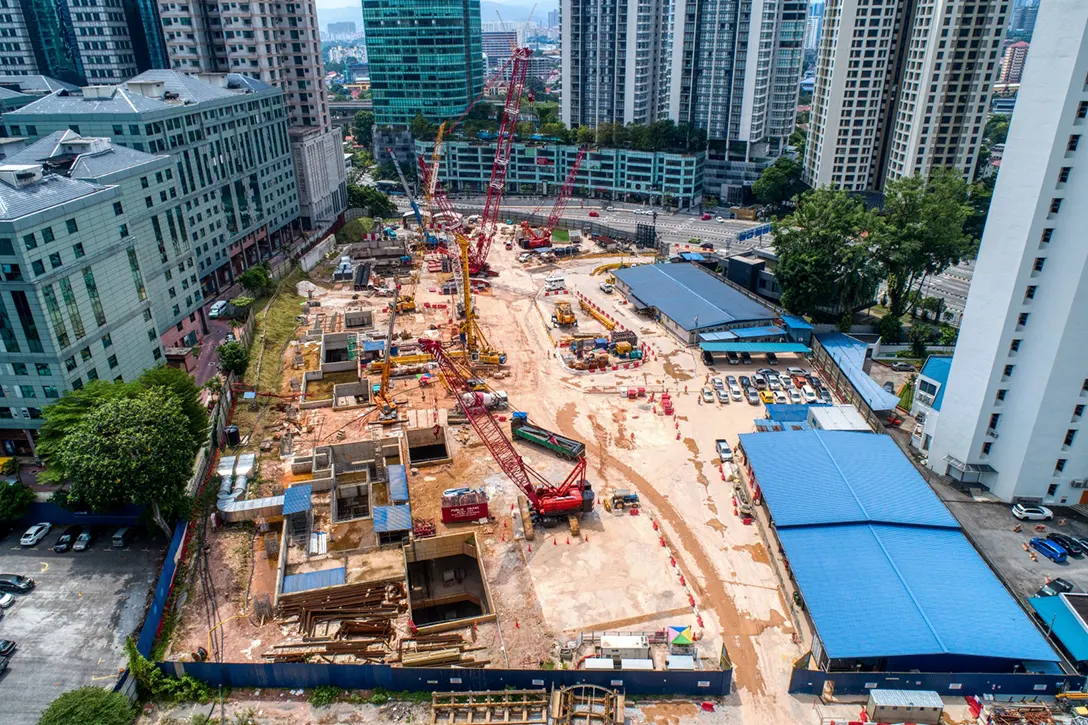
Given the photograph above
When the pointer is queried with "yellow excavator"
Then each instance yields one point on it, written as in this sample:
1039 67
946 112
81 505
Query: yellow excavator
383 401
564 315
477 348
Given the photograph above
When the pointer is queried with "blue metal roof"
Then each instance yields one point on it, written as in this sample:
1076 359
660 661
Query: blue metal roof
750 347
692 257
398 484
392 518
936 369
849 354
690 295
837 477
314 580
765 331
796 322
1057 616
373 345
297 499
721 336
900 591
788 412
765 425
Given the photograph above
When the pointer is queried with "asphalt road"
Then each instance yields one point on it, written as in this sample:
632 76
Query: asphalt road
207 365
70 629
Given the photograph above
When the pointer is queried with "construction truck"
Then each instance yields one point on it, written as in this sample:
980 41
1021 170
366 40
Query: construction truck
560 445
407 303
564 315
621 500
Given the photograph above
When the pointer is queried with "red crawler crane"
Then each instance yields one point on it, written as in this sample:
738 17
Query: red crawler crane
544 238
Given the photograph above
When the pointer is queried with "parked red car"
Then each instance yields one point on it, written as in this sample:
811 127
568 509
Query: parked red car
594 213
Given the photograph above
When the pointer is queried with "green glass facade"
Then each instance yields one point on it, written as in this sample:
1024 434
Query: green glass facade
425 56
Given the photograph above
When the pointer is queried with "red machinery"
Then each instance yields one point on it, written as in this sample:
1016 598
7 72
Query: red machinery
544 239
549 503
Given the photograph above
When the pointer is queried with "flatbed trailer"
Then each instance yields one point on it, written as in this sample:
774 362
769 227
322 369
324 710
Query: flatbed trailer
564 447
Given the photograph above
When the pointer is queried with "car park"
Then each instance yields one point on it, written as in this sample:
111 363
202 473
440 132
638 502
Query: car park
731 380
1032 513
766 396
84 540
1049 549
64 543
735 393
825 397
753 396
723 396
799 381
16 583
725 451
780 398
1055 587
772 359
35 534
903 367
808 394
7 647
217 309
773 383
1066 542
124 536
745 381
797 371
708 397
785 381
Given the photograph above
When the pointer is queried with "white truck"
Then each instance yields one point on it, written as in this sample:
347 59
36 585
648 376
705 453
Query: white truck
725 451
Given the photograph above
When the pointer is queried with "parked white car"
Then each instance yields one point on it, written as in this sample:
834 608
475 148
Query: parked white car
35 534
217 309
797 371
1032 513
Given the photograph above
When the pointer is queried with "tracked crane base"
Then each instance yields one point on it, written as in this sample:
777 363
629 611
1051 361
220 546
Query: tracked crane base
526 518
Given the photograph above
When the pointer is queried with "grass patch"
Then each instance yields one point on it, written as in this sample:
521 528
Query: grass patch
906 395
278 325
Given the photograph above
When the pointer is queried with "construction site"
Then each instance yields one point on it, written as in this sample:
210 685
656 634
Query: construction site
451 457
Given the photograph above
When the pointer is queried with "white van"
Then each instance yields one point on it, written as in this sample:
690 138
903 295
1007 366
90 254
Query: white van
555 282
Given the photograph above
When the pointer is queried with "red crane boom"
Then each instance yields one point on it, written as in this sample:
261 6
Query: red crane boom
573 496
503 146
560 201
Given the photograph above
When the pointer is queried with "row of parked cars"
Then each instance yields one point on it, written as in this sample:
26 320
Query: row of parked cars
76 538
796 386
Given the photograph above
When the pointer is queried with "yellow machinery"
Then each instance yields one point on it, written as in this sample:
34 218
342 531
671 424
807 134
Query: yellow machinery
383 401
375 367
477 348
564 315
407 303
432 180
599 316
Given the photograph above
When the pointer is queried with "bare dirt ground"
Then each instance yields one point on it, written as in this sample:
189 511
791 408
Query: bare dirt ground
618 575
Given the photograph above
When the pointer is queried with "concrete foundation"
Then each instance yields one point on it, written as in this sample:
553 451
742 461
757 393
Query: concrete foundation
447 584
427 446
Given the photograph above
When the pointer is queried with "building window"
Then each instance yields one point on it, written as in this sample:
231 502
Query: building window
137 277
55 260
1022 320
1074 141
107 341
1069 436
38 267
112 360
1014 346
77 384
69 296
72 226
1055 206
30 241
1082 109
1060 465
77 250
5 413
50 391
42 369
47 235
156 353
151 335
1001 393
96 301
70 363
1063 174
85 354
1039 263
19 369
27 391
123 230
118 209
26 319
995 418
1030 293
986 448
92 374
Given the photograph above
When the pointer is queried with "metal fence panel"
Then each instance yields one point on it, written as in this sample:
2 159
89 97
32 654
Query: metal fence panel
859 683
415 679
153 620
39 511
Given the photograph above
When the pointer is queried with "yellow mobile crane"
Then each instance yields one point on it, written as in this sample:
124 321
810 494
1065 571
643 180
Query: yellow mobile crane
383 401
477 348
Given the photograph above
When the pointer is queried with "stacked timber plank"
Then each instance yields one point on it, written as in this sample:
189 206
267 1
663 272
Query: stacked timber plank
438 650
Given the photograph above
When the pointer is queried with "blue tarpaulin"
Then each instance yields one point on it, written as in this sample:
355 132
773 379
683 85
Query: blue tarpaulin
392 518
314 580
398 484
297 499
373 345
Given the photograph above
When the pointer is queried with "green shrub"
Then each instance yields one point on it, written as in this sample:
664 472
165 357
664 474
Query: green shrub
89 706
324 695
160 687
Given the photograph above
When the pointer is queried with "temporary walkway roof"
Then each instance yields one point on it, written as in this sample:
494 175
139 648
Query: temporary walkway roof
764 331
1057 615
392 518
849 355
691 296
883 566
314 580
755 347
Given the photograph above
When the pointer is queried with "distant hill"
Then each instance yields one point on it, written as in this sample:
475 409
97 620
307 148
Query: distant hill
514 12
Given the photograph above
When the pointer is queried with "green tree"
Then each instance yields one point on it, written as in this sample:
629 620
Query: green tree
779 182
14 498
89 706
982 192
585 135
256 280
353 231
64 414
362 127
184 388
823 261
555 130
422 129
920 334
233 357
798 139
131 450
375 202
996 129
890 329
920 231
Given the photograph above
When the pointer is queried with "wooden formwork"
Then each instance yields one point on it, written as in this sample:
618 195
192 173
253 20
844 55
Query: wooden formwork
586 705
510 707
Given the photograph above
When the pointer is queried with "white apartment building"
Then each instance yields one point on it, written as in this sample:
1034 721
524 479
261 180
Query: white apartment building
278 43
1017 391
901 87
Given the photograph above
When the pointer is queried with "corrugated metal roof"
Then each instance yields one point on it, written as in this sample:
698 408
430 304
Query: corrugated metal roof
398 484
750 347
781 412
691 296
795 322
899 591
906 698
297 499
1059 618
314 580
839 417
392 518
849 354
721 336
692 257
835 477
936 369
763 331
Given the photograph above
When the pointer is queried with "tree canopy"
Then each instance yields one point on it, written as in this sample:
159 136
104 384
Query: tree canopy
779 182
362 127
375 202
233 358
90 706
130 450
257 280
920 231
422 129
824 263
14 498
997 128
